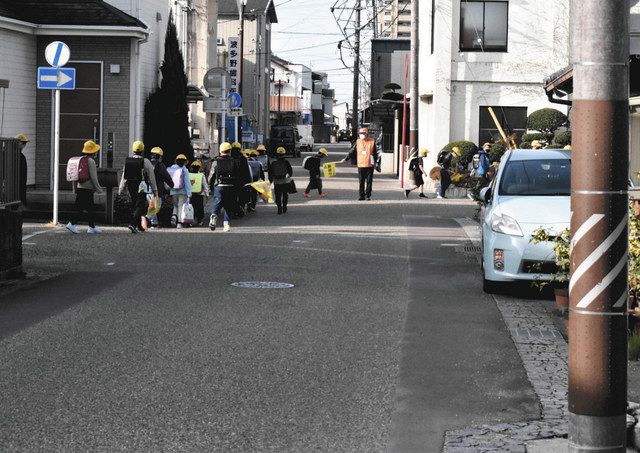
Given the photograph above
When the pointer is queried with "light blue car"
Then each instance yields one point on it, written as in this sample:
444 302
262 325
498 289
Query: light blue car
532 189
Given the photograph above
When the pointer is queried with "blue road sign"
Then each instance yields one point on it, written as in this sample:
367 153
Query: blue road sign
56 78
235 100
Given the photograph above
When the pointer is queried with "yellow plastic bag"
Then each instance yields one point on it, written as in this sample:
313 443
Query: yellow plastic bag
154 206
329 169
264 189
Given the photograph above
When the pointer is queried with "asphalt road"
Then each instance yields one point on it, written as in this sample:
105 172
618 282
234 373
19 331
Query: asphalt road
141 343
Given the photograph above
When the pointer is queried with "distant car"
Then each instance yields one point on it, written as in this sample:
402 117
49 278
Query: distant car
286 136
306 137
344 135
532 189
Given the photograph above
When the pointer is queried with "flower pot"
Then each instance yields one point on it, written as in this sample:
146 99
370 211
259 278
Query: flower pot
562 299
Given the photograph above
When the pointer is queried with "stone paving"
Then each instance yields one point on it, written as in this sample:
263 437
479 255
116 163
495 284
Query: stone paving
544 353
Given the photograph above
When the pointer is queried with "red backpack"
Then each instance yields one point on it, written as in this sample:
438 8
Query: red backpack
78 169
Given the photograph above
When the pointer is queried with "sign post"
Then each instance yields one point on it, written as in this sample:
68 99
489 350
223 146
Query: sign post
56 78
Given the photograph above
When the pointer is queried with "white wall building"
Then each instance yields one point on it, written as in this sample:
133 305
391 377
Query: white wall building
476 54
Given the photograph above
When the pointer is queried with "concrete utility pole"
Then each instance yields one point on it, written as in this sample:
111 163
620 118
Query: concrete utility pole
415 56
356 73
599 224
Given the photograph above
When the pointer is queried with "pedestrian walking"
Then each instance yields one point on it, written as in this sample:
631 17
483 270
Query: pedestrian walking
445 160
85 184
181 191
24 141
263 158
280 173
257 174
312 164
417 168
138 175
244 179
366 154
484 162
224 181
163 181
199 190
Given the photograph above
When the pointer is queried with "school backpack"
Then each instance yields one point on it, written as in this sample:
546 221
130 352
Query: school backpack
441 156
279 169
306 164
176 172
225 167
133 168
196 180
78 169
414 165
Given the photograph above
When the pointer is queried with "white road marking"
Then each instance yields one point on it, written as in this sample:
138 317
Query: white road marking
110 264
29 236
471 229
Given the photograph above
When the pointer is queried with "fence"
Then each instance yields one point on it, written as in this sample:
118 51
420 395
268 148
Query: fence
9 172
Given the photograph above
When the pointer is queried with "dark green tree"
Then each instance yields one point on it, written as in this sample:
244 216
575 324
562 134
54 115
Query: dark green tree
547 121
166 120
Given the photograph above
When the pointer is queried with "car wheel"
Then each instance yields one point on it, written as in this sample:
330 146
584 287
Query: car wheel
490 286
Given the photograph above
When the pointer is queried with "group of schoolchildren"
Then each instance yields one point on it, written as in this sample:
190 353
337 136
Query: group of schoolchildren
149 182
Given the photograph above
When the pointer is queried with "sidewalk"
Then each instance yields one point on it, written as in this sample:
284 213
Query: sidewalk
543 349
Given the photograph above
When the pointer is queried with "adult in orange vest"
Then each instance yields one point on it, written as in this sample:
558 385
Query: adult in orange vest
365 153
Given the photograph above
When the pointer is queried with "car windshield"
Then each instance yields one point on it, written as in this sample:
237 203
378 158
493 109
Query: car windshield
282 133
543 177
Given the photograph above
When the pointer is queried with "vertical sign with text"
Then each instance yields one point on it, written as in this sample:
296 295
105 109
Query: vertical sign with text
234 63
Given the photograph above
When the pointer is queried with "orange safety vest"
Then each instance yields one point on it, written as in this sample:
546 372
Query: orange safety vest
365 150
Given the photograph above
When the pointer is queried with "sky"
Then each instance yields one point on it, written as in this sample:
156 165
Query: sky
305 23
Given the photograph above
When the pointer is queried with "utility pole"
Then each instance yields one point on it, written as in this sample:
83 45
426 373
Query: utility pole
374 4
415 56
356 72
238 128
599 225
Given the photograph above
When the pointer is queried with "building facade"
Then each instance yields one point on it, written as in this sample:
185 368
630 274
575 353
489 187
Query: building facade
394 19
256 63
477 54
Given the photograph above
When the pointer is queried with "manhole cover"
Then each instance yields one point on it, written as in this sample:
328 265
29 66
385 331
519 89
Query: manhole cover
262 285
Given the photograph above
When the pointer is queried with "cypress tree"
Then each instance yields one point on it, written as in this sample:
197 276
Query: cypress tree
166 122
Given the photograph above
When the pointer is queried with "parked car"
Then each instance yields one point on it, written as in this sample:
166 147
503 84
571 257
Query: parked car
306 137
532 189
287 137
344 135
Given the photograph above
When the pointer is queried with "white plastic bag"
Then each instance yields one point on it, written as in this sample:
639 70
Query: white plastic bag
187 216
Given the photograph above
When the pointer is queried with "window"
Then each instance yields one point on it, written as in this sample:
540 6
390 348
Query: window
484 26
545 177
512 119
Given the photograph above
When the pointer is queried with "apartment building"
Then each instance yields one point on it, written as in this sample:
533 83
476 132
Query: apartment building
394 19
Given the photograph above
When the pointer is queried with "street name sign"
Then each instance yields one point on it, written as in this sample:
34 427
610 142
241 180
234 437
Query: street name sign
57 54
56 78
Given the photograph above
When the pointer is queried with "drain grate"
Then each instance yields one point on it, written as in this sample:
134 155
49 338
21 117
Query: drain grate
263 285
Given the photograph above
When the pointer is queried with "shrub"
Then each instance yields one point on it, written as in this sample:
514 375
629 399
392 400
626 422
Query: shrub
562 138
497 151
547 120
537 136
467 150
525 145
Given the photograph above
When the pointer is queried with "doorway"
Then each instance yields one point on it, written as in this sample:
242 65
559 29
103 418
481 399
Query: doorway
80 115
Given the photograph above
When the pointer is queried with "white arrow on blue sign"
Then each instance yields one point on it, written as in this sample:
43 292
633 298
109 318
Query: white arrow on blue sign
56 78
235 100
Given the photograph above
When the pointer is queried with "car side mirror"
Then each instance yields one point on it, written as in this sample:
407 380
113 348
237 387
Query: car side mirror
485 195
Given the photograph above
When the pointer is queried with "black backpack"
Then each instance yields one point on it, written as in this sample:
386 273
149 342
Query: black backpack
414 165
441 156
225 170
133 169
279 169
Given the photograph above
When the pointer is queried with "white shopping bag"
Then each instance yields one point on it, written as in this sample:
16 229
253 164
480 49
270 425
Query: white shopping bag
187 216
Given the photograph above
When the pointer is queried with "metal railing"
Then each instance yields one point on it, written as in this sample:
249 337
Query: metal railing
9 172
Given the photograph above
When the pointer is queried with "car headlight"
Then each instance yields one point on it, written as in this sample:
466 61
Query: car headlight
505 225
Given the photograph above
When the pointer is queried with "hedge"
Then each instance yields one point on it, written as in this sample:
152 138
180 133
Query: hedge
562 138
547 120
467 150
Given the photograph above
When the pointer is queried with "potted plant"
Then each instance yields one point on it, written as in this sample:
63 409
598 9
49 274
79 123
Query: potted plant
561 251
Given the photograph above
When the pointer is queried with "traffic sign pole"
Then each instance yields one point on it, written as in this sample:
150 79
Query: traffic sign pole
56 154
223 129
